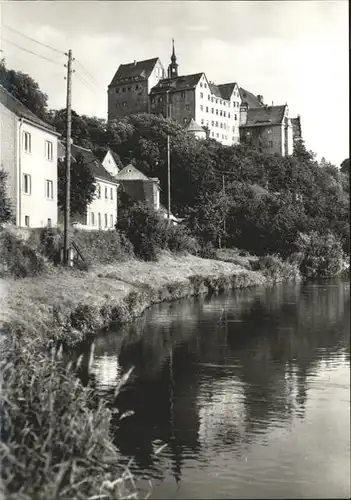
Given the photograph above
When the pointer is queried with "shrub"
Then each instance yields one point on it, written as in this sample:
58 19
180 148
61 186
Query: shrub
149 232
208 251
102 247
275 268
19 258
55 439
179 239
321 254
5 203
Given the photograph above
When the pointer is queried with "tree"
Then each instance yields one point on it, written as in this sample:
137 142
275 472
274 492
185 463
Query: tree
25 89
5 202
82 186
345 166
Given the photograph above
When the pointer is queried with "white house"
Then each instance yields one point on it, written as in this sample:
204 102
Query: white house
109 160
102 211
28 153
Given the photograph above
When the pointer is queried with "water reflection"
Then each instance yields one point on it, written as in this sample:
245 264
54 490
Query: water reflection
216 379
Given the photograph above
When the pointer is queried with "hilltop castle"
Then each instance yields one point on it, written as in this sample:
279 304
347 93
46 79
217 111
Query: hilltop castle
226 112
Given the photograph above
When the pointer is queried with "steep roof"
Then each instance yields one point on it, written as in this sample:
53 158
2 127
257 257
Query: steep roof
265 115
193 126
95 166
15 106
226 90
215 90
250 99
134 71
101 154
177 83
130 173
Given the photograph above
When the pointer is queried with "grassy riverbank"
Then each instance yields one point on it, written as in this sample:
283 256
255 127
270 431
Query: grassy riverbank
69 304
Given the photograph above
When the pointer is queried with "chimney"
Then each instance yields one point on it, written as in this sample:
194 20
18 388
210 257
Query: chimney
260 99
134 62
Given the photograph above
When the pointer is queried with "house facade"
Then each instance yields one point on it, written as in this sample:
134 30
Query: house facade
28 153
101 213
268 128
109 161
128 92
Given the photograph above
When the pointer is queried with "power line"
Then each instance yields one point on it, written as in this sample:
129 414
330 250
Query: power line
31 52
34 40
86 83
88 74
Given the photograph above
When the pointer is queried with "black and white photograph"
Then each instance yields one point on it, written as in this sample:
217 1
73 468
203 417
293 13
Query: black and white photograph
174 250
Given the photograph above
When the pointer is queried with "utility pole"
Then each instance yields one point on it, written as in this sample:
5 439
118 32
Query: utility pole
68 157
168 162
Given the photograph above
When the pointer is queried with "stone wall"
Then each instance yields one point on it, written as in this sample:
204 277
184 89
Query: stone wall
128 98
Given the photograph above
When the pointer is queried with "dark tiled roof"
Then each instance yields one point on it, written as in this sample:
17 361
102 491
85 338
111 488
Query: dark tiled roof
265 115
193 126
177 83
215 90
226 90
296 124
134 71
250 99
89 159
20 110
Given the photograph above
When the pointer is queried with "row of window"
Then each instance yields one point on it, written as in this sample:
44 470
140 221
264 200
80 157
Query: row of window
121 104
236 104
98 221
27 221
129 89
217 124
27 146
220 113
98 192
27 186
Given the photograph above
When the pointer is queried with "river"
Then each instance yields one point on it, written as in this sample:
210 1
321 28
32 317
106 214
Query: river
250 391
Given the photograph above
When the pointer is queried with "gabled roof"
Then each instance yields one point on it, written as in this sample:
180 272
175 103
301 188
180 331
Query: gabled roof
95 166
101 155
193 127
265 115
250 99
15 106
215 90
134 71
130 173
177 83
226 90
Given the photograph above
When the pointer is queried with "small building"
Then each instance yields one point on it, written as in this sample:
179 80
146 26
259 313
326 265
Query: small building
268 128
128 92
194 129
28 153
101 213
110 161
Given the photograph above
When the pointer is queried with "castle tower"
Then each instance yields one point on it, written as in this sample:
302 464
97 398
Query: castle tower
173 67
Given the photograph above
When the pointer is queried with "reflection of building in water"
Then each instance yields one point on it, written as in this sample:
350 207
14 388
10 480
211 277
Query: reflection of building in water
106 370
221 411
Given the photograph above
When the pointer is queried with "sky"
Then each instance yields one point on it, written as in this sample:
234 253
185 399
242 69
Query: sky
290 52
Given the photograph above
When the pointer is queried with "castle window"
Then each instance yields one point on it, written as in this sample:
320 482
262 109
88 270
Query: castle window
208 97
217 135
220 125
224 113
185 119
220 113
206 109
212 110
124 89
201 108
187 107
224 103
201 94
216 111
216 124
205 85
129 88
211 99
201 84
182 95
216 101
235 117
117 91
228 115
212 123
212 134
124 104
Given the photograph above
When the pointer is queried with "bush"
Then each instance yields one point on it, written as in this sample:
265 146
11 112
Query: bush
102 247
321 255
208 251
55 439
5 203
276 269
149 232
19 258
